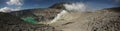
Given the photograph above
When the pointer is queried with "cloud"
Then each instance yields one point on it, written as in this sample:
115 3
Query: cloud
14 2
17 3
75 7
6 9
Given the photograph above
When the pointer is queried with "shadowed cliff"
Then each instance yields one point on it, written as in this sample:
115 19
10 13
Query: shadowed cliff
9 22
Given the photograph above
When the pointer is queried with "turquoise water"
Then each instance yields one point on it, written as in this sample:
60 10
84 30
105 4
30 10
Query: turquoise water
30 20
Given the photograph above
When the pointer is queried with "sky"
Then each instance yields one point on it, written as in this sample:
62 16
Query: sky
28 4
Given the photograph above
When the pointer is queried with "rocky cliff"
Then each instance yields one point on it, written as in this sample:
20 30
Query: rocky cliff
107 19
38 14
9 22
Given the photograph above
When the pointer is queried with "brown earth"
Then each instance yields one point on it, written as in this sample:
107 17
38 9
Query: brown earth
101 20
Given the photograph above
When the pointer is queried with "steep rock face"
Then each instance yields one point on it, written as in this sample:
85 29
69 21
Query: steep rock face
9 22
39 14
59 5
102 20
8 19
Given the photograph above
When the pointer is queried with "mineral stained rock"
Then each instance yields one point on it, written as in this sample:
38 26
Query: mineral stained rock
42 14
9 22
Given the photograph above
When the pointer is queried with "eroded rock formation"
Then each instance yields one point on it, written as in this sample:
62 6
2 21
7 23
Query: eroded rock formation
102 20
9 22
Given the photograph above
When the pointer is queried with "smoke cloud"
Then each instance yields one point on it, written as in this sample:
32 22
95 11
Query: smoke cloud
62 13
75 7
17 3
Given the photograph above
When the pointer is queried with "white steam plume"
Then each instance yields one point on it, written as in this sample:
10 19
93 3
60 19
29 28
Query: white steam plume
58 16
74 7
17 3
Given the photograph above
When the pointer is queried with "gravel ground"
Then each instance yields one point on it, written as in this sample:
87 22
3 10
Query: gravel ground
101 20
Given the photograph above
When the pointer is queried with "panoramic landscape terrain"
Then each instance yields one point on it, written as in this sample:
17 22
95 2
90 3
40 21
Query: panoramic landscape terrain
65 15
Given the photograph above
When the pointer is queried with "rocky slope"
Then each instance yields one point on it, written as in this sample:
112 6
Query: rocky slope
37 14
9 22
15 20
102 20
20 20
40 14
59 5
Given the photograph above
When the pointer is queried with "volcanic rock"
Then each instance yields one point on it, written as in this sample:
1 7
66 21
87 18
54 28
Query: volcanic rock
59 5
107 19
39 14
9 22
